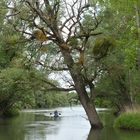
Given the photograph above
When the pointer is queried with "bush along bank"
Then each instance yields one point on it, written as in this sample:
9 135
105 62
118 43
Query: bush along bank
10 112
129 121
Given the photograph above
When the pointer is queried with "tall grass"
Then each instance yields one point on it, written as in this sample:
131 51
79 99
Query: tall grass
130 121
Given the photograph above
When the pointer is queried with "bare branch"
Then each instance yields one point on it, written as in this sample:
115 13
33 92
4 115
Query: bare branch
97 22
58 68
86 35
39 12
66 21
56 7
60 89
47 3
53 87
52 67
19 30
12 14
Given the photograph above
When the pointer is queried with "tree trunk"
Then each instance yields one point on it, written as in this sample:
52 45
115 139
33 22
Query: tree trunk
137 11
84 99
89 108
81 91
126 104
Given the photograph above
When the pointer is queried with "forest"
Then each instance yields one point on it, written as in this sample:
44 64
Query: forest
61 52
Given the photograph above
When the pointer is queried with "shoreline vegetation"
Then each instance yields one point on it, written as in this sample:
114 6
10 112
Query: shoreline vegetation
41 100
48 100
128 121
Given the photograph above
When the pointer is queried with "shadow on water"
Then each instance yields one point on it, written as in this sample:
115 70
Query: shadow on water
128 135
94 134
28 126
10 131
103 134
110 133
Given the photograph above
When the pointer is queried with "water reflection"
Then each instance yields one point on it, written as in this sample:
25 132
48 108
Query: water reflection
39 125
112 134
128 135
103 134
10 131
94 134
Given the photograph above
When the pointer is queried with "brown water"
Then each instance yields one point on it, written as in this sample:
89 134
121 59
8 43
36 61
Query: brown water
72 125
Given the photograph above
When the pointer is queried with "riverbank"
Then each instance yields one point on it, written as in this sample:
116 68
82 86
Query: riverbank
129 121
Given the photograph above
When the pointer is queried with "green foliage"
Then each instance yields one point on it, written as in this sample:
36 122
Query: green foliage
116 70
88 21
14 86
11 39
73 42
130 57
105 103
11 112
53 99
102 46
129 121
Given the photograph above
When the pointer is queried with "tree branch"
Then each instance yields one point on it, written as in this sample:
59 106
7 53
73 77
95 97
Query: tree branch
52 67
60 89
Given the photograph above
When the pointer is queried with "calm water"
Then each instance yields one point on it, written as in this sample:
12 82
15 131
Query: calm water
72 125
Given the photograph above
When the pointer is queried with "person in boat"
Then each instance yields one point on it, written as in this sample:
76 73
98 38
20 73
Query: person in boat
56 114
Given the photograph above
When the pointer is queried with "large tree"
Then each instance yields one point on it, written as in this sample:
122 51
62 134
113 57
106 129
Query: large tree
68 25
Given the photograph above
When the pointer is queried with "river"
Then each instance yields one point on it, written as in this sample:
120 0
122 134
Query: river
72 125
